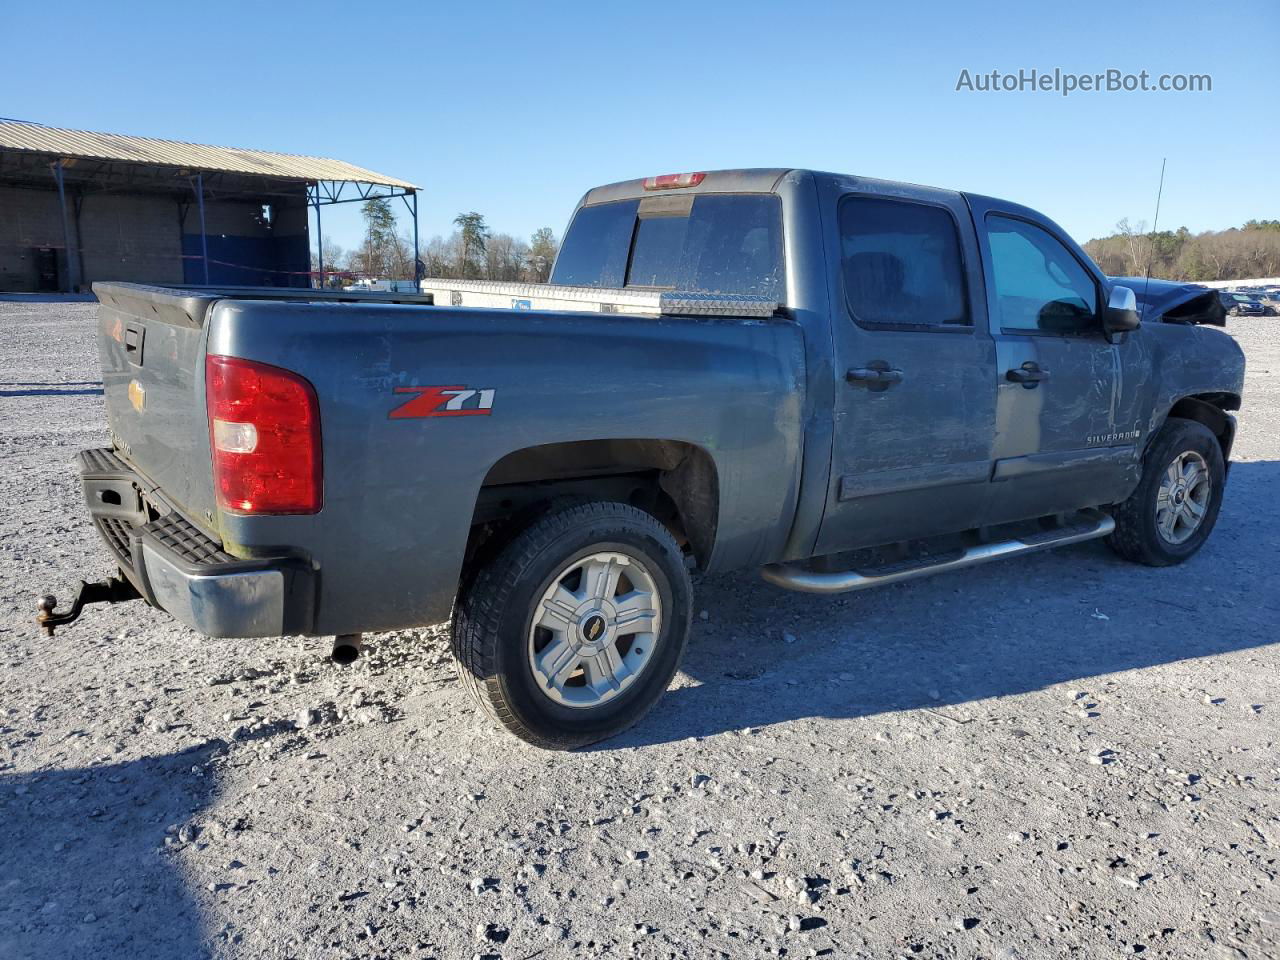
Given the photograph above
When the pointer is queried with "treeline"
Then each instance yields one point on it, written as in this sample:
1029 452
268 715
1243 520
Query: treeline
1240 253
471 252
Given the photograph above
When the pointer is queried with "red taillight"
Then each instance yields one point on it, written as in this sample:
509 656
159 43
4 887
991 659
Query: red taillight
670 181
264 427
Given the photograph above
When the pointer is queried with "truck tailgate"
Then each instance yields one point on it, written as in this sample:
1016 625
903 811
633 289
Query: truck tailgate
152 346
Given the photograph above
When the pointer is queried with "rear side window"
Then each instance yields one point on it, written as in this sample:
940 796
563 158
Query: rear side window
901 264
713 243
594 253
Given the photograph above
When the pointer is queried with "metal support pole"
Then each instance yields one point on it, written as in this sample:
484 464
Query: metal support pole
73 259
76 205
417 264
319 238
204 237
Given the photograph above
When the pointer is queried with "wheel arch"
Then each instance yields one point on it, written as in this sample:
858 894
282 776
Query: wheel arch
1210 409
674 480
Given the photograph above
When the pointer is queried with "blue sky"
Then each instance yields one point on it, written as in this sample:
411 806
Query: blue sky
514 109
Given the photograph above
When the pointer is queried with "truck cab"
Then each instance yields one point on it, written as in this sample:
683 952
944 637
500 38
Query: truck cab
965 364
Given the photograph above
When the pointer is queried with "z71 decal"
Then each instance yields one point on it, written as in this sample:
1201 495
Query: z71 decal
443 402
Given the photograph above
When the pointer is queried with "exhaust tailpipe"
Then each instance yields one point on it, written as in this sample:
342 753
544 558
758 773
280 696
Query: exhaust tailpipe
346 648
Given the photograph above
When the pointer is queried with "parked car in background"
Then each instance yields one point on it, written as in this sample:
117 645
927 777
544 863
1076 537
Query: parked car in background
1261 294
1242 305
374 285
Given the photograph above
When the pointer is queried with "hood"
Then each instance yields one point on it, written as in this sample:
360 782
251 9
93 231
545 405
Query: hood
1173 301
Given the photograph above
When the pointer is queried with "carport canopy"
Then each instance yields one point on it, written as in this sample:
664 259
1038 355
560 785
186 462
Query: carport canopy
108 162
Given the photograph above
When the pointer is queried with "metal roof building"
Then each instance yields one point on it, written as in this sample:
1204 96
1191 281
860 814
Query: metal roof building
78 206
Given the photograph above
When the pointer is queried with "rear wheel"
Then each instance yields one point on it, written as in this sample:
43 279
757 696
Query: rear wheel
1173 510
575 628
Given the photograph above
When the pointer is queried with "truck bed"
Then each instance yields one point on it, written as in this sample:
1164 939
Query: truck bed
401 480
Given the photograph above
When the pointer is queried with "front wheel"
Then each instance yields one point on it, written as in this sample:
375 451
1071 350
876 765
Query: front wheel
576 627
1173 510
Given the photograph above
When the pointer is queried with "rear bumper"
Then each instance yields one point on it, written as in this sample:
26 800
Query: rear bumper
179 568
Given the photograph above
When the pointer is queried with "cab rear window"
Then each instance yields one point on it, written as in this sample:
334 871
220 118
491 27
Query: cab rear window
712 243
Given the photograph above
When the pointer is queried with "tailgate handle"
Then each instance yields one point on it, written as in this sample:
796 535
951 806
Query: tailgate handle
133 336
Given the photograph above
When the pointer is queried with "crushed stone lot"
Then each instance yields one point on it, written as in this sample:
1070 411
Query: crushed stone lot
1066 755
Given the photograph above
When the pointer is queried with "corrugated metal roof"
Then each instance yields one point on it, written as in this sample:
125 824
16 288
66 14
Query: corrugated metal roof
195 156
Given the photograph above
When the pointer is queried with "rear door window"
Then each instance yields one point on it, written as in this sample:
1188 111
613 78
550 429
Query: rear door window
901 264
712 243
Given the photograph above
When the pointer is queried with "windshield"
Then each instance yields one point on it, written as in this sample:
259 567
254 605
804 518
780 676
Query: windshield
712 243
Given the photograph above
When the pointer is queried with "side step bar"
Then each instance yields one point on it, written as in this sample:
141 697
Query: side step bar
794 576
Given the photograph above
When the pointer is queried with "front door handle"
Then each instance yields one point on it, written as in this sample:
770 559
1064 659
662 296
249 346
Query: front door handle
1030 374
877 378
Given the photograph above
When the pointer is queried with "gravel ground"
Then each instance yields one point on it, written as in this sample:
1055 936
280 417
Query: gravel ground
1067 755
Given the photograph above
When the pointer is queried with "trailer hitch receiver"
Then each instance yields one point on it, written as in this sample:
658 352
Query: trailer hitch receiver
114 590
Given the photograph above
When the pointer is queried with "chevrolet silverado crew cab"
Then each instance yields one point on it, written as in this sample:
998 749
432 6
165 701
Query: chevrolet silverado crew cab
841 381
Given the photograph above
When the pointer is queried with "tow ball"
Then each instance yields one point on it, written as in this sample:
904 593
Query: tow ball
114 590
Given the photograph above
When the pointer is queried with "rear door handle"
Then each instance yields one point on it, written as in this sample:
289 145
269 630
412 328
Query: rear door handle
874 376
1030 374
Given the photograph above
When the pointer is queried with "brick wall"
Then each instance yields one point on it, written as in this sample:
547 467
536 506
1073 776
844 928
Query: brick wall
129 237
28 219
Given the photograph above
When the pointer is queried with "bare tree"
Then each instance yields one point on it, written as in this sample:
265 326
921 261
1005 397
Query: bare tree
335 258
1137 246
505 257
437 256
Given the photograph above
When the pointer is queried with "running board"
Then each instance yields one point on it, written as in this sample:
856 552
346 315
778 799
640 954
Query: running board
793 576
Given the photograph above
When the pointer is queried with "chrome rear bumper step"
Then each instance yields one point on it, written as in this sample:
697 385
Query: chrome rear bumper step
793 576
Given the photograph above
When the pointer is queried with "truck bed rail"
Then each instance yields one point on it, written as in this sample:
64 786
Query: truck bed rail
546 296
186 305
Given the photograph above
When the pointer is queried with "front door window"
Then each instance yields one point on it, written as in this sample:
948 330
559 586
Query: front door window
1040 287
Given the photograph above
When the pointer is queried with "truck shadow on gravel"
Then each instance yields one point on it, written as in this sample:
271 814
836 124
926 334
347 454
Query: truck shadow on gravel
57 390
91 867
942 643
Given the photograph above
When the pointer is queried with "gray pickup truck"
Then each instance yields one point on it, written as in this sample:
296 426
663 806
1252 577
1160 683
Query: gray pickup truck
841 381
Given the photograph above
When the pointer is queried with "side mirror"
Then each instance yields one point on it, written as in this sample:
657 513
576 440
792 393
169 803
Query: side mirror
1121 314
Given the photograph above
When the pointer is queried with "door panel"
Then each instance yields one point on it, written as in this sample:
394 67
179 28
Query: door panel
915 409
912 460
1067 421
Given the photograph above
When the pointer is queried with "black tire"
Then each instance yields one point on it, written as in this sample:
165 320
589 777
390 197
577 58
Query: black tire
1137 536
494 611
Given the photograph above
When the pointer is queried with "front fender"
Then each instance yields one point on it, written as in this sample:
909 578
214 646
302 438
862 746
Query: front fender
1193 362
